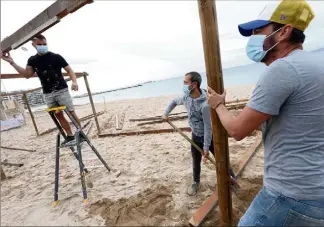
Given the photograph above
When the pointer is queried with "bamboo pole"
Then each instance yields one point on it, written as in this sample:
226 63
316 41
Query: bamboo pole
91 101
31 113
209 30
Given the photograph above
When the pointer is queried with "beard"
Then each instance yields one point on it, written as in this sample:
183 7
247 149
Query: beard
268 43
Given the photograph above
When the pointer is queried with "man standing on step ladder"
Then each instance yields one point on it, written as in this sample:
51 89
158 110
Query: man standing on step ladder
48 67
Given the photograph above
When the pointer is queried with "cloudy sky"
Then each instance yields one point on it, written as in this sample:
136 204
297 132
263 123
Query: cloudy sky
125 42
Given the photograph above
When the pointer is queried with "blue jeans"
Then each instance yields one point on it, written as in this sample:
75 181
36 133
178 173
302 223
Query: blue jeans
270 208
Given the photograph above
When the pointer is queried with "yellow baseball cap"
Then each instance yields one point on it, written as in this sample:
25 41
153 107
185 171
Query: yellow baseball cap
295 12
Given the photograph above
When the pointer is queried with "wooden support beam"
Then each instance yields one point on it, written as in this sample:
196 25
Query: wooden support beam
210 38
212 202
43 21
31 113
155 131
55 128
19 76
18 149
92 104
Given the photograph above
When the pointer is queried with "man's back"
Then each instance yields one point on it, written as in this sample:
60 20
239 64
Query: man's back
294 135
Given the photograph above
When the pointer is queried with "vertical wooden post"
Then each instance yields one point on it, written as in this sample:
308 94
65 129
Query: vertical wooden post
30 112
91 101
209 30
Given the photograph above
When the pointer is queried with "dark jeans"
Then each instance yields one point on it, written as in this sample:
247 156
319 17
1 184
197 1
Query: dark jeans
196 157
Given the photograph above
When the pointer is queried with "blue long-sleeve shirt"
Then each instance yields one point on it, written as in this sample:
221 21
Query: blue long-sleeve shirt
198 115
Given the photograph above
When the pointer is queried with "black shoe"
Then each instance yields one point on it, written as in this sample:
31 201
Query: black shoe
68 139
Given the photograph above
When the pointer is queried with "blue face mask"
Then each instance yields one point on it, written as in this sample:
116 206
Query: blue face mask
186 89
254 48
42 49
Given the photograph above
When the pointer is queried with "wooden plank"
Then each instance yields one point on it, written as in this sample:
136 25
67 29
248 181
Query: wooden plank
134 133
18 149
161 121
214 71
11 164
211 203
19 76
116 121
43 21
121 123
55 128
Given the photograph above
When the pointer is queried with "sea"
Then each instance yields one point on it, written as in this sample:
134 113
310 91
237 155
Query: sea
235 76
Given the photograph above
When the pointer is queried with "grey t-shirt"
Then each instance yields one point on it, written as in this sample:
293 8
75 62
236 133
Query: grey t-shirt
292 92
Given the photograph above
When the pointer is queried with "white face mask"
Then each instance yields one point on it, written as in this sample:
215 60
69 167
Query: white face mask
254 48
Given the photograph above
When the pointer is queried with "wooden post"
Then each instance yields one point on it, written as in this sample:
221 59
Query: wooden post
30 112
91 101
209 29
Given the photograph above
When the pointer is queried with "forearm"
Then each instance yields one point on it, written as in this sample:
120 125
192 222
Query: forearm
20 69
227 119
170 107
72 76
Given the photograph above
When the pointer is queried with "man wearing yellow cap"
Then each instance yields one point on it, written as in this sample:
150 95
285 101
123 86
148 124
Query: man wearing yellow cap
288 104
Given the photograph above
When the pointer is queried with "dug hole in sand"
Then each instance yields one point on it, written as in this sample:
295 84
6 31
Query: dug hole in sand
147 185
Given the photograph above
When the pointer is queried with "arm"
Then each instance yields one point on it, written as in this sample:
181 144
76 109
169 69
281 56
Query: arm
67 68
71 73
272 90
173 104
244 124
27 72
207 127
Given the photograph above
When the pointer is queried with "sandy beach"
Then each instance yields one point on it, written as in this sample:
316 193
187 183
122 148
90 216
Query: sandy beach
148 182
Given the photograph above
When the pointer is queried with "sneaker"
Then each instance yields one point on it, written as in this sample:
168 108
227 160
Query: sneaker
68 140
193 189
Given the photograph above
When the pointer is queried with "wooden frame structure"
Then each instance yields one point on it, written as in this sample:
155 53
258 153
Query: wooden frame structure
24 93
209 28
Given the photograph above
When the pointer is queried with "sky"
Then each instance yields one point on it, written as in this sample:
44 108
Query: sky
120 43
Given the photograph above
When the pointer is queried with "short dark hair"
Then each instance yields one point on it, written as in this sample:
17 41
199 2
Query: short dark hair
39 37
297 36
195 77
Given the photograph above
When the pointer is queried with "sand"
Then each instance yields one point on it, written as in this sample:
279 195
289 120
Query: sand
148 182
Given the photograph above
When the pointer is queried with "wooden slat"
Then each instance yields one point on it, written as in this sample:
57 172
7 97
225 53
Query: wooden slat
18 149
211 203
41 22
19 76
156 131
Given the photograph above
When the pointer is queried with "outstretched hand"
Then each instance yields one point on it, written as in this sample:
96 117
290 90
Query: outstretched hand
215 99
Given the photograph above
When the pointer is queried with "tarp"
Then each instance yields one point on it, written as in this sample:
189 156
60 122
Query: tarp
12 123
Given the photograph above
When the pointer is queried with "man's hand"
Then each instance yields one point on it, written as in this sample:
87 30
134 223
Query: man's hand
165 118
6 57
205 156
74 86
215 99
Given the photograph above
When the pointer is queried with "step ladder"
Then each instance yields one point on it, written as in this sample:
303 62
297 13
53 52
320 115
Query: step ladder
77 153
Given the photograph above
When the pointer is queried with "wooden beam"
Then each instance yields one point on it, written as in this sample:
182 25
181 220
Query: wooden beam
43 21
19 76
18 149
161 121
212 202
78 75
31 113
91 102
210 38
11 164
134 133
